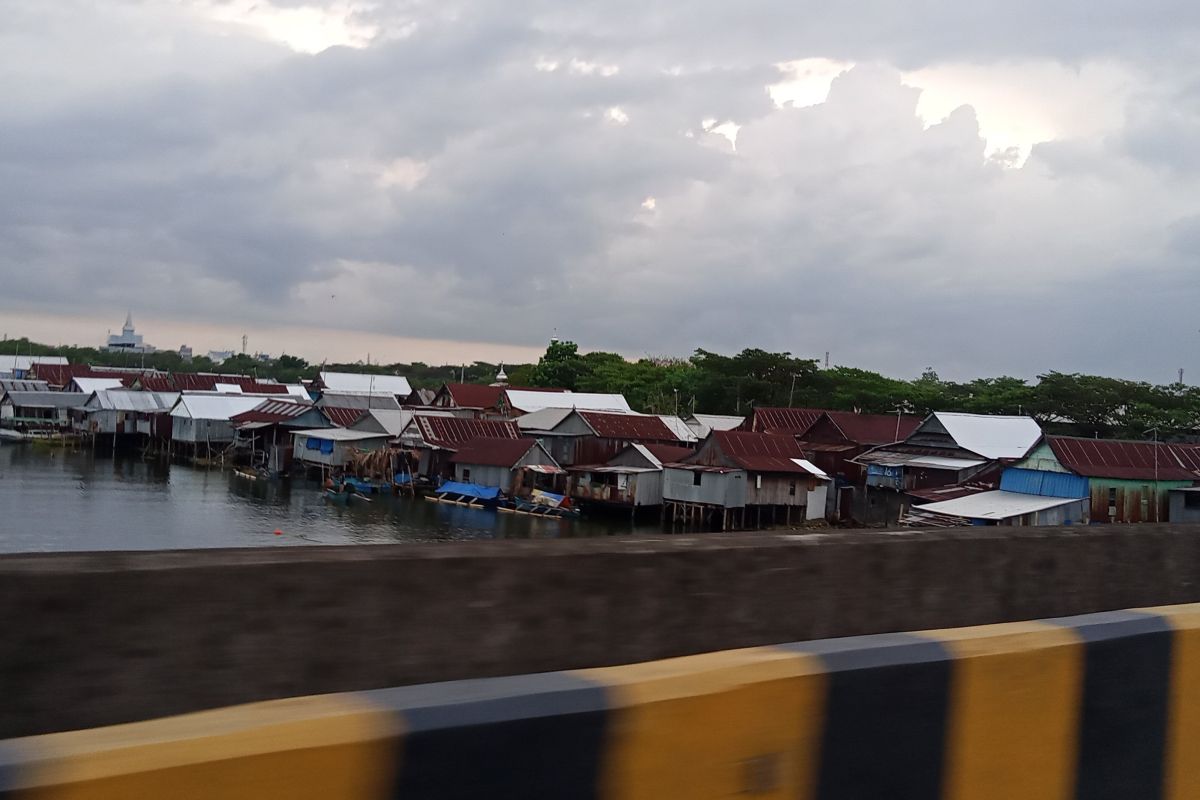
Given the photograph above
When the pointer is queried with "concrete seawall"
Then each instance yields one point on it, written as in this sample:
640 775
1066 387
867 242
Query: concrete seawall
1093 706
98 639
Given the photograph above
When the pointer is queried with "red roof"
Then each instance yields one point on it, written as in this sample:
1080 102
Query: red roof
1127 460
155 384
790 421
207 382
271 411
756 452
873 429
343 417
492 452
474 395
63 374
450 432
629 427
668 454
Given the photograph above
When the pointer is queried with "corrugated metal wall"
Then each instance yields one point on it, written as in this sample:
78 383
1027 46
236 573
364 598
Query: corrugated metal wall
1043 484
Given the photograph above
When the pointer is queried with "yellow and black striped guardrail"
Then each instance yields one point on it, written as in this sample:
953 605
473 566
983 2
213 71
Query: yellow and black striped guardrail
1096 706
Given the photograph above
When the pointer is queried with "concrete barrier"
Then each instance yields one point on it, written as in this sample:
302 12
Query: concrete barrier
1096 706
104 638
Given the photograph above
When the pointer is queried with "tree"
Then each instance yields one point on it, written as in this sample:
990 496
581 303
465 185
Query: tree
559 367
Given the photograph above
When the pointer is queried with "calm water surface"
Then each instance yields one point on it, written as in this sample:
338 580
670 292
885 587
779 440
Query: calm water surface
51 500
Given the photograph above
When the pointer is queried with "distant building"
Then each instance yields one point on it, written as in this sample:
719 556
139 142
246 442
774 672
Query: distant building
185 353
220 356
127 341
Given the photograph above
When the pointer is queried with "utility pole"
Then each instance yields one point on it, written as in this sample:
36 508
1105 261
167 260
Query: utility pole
792 391
1154 430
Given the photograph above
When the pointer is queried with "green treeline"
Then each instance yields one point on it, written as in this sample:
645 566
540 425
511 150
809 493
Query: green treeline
718 384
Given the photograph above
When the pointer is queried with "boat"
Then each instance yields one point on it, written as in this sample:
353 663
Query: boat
247 474
542 504
9 435
362 486
465 494
337 498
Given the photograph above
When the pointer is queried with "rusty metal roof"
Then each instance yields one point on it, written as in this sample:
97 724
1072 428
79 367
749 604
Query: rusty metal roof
493 452
790 421
756 452
629 427
1127 460
450 432
873 429
474 395
343 417
666 453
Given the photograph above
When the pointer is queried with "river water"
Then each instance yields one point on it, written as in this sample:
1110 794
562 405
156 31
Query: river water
55 500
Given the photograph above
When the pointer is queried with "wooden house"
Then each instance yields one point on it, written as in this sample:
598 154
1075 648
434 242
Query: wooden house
739 479
515 466
1126 481
631 481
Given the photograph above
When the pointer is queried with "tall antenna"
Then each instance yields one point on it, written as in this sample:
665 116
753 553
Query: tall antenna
245 340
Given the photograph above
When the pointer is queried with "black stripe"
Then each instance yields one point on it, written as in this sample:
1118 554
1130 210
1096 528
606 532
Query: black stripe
521 737
885 718
1123 734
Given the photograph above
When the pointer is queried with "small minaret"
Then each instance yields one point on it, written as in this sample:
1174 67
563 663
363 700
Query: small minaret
501 377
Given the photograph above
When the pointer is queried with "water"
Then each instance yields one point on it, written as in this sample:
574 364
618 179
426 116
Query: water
53 500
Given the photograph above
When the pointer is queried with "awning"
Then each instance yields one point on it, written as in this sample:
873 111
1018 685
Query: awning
995 505
546 469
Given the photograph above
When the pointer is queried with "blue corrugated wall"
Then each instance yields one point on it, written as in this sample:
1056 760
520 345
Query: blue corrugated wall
1043 484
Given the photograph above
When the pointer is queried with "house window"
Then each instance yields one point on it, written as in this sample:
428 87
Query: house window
466 474
1191 499
1112 497
697 475
792 489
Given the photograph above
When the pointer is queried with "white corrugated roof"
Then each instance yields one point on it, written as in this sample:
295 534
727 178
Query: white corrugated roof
704 424
9 363
996 505
888 458
89 385
991 436
220 406
810 467
584 401
340 434
296 390
391 420
678 427
227 388
544 420
130 400
360 383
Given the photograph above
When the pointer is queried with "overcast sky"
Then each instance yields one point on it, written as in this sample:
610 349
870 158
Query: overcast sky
985 187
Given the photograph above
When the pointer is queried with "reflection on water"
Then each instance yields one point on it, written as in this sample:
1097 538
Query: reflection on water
54 500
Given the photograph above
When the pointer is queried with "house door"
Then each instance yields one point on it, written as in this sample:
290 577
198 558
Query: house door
845 504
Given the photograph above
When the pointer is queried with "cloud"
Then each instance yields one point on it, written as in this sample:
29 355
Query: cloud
977 187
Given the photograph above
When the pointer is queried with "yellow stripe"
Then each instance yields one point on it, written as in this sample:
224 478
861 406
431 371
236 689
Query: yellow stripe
310 747
1015 696
1183 727
713 725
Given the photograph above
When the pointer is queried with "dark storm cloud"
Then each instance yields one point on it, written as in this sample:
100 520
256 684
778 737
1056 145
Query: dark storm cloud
479 170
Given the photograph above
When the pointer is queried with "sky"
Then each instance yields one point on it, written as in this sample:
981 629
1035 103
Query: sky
981 187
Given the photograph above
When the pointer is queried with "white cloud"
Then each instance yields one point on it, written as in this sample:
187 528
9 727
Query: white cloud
616 114
649 204
304 28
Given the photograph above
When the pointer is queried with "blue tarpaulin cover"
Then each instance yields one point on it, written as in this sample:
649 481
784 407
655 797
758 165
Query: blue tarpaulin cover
470 490
326 446
312 444
402 479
